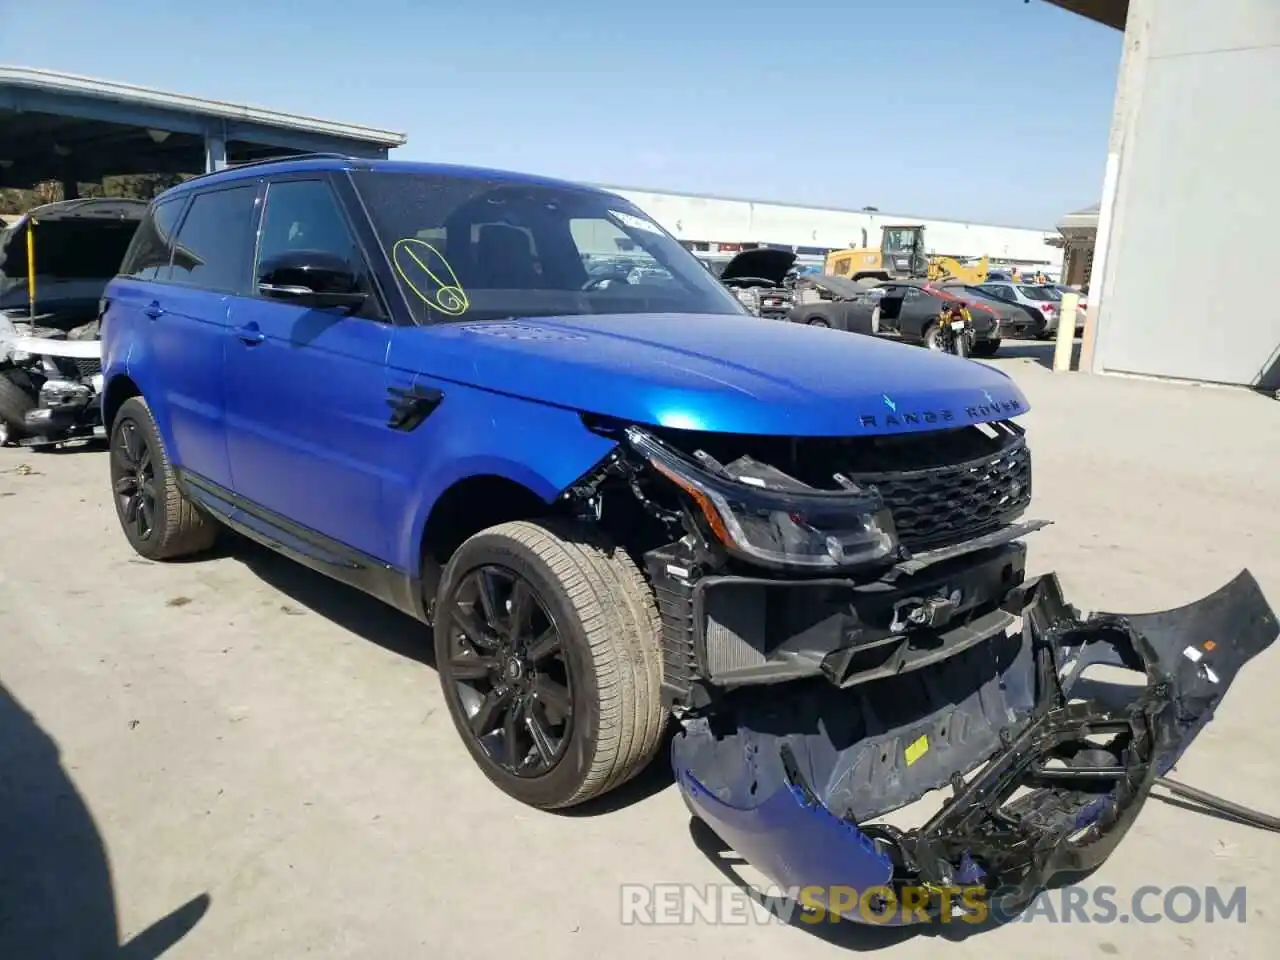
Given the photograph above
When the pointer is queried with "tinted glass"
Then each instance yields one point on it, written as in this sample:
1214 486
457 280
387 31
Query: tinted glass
304 215
148 255
483 249
215 243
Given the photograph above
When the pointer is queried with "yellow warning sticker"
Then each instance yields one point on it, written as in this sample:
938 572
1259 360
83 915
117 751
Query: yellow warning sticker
917 749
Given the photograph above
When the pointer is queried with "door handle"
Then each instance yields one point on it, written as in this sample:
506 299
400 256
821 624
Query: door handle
250 335
154 310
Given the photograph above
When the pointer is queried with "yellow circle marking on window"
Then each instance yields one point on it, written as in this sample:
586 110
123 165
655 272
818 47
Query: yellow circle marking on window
412 254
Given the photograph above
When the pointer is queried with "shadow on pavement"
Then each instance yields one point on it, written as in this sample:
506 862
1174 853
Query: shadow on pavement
56 898
1041 351
346 606
399 633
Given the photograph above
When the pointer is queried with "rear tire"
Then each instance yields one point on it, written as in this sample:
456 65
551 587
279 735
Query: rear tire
551 722
817 322
933 338
157 518
17 398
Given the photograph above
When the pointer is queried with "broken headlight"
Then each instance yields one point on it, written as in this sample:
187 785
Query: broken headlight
763 516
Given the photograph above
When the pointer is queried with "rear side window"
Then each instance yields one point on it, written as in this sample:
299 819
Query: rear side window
149 254
214 250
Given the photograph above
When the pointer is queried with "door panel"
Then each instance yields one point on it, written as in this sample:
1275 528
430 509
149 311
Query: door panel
186 312
307 409
187 339
918 310
307 417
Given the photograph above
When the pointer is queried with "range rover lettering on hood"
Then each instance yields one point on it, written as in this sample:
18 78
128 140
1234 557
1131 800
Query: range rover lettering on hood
906 416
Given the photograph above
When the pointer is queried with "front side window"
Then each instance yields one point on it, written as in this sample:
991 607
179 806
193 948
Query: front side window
477 248
151 250
303 217
215 243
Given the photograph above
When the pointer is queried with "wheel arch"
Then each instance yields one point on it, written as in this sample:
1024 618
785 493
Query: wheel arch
118 389
471 504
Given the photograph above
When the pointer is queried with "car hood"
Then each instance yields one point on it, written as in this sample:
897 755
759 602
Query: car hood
764 263
723 373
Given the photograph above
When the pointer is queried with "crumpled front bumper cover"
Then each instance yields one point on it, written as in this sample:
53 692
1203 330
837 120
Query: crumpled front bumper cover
1088 760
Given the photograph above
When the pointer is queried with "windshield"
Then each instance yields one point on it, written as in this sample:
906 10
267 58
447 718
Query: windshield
1039 293
471 248
899 240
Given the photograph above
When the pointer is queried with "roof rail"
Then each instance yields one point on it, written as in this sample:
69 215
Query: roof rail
281 159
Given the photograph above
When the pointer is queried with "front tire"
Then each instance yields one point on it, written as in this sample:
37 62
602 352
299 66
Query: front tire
18 396
547 643
158 520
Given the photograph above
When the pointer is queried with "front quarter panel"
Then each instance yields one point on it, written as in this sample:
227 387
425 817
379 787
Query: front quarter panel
477 433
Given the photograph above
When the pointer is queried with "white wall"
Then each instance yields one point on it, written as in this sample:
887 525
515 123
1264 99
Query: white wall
742 221
1197 196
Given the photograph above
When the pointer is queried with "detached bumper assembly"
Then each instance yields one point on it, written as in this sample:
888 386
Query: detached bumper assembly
1047 768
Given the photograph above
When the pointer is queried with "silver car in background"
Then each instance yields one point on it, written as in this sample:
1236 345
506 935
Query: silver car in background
1045 301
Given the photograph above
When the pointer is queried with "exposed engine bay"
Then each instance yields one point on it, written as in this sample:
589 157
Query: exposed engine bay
848 625
50 384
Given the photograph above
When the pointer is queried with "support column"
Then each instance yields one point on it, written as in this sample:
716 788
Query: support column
215 153
1132 72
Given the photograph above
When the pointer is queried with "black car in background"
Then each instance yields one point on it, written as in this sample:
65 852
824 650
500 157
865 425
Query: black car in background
906 310
1016 321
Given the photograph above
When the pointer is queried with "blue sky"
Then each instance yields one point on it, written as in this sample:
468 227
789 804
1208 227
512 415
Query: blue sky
991 110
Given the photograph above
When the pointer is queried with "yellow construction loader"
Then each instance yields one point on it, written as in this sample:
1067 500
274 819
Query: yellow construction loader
901 257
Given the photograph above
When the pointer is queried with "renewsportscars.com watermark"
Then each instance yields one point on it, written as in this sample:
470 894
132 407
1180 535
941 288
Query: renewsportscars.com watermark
723 903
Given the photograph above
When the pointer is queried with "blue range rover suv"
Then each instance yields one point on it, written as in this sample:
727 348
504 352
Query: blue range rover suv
623 507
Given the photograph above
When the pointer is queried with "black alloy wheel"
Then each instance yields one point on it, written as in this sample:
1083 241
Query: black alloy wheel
510 672
157 518
133 478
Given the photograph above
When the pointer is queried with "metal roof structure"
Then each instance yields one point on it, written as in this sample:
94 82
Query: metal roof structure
59 126
1111 13
1081 221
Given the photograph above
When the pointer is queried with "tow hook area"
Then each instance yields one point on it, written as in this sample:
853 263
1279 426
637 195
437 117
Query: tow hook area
931 612
1054 789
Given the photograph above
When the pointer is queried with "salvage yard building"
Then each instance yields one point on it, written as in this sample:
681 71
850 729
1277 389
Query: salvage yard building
73 129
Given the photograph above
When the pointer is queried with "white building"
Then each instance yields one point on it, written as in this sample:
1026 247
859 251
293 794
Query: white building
1190 197
729 222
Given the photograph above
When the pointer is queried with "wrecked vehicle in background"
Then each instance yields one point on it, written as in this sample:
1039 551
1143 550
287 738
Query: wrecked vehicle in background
762 281
55 262
617 503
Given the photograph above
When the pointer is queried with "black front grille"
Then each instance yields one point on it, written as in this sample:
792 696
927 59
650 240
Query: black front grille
951 504
88 368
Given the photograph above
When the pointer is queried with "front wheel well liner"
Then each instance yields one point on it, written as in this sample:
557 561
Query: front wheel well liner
117 391
473 504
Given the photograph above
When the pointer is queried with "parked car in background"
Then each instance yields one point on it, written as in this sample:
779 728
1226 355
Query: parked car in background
1042 301
1083 294
906 310
1016 323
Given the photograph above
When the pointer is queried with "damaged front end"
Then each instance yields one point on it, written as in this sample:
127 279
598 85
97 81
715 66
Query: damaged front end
837 654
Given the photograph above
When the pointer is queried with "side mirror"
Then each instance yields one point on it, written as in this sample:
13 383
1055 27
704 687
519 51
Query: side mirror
311 278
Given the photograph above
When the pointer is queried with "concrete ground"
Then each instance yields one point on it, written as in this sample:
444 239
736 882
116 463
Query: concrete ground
237 757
